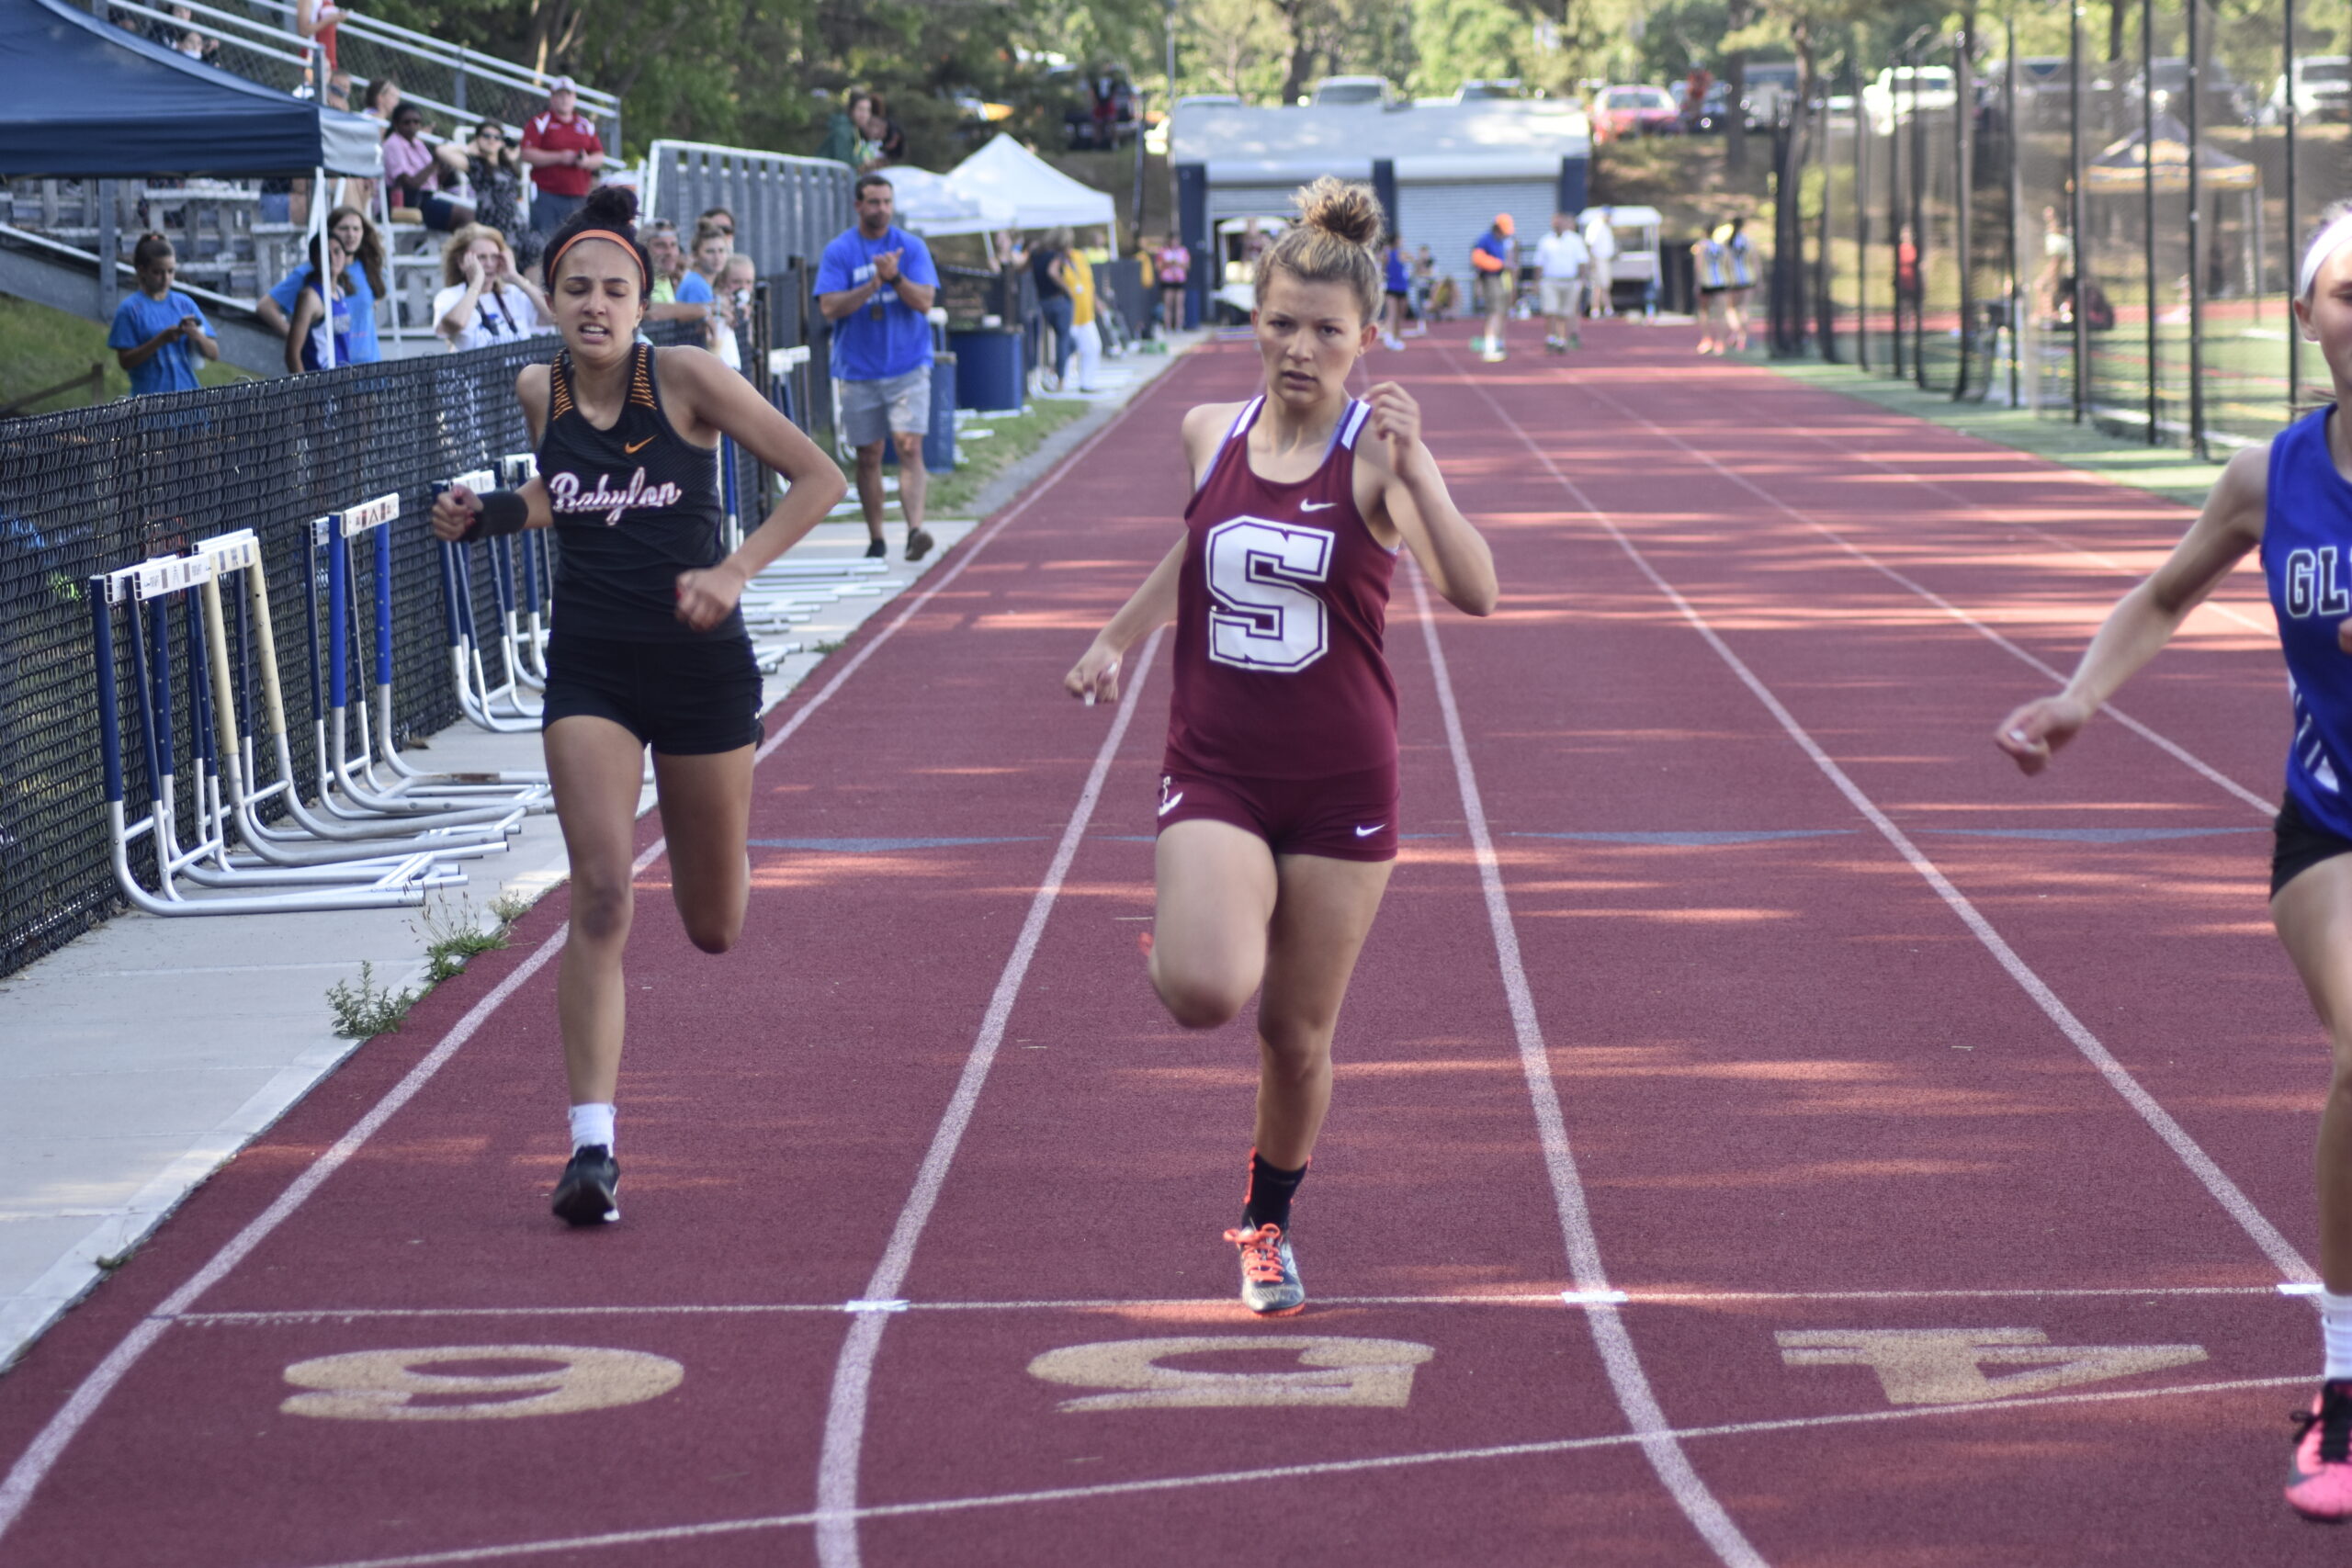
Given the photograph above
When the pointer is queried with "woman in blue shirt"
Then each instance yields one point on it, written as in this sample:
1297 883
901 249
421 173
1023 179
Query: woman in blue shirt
159 334
363 282
322 310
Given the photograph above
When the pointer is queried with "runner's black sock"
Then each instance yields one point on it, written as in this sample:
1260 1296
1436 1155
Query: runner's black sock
1270 1189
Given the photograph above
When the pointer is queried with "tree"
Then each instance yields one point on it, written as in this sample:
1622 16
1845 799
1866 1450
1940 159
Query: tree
1468 40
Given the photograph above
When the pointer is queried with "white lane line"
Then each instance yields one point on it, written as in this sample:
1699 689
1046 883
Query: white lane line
2265 1235
2179 753
837 1462
719 1528
305 1317
2116 489
1631 1385
41 1455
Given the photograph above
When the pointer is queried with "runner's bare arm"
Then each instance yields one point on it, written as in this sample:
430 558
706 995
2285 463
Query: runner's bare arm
1095 677
2146 617
455 508
1412 494
707 399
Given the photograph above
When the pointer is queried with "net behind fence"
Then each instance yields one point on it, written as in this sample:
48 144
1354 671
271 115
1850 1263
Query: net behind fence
2137 210
92 490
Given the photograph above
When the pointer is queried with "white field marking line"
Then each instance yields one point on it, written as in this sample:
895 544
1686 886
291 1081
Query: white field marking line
973 545
837 1461
2269 630
1304 1472
2179 753
313 1316
1627 1379
48 1444
2265 1234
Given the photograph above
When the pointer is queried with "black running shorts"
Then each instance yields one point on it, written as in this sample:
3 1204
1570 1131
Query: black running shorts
2298 844
684 699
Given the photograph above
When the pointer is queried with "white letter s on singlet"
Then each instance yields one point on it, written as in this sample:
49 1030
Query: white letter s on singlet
1262 619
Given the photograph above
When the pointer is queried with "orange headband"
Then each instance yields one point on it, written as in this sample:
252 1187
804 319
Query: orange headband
627 244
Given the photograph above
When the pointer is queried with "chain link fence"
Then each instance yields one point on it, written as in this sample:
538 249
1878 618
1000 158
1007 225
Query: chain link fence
2107 235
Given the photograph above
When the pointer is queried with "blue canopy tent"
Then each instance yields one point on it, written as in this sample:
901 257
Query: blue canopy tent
87 100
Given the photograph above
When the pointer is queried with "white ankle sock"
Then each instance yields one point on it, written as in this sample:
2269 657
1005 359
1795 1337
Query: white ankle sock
593 1124
2336 1330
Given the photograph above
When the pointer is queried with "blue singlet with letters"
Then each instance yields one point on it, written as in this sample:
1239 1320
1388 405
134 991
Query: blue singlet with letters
2307 557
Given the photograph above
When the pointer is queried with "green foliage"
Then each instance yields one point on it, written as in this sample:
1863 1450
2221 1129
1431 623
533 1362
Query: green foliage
364 1010
1464 41
453 933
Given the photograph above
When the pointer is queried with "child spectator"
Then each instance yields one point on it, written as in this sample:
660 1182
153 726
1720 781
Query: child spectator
363 281
731 324
719 221
320 334
486 299
158 334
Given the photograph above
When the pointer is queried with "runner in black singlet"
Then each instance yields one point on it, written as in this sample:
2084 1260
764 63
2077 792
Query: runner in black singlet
648 647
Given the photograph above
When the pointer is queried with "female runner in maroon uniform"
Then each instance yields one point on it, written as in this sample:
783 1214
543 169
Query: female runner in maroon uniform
648 647
1278 806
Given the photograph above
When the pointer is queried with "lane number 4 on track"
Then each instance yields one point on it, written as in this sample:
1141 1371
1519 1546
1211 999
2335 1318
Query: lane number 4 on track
476 1382
1946 1366
1308 1369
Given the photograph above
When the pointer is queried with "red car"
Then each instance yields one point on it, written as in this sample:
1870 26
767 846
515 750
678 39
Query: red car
1635 111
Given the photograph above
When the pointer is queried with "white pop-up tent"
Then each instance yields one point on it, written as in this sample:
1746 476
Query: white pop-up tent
926 203
1042 196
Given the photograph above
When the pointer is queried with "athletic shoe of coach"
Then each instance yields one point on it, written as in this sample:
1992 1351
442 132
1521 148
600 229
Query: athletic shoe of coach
589 1193
1269 1282
2319 1480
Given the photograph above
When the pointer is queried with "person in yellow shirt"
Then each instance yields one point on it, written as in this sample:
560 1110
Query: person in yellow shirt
1078 276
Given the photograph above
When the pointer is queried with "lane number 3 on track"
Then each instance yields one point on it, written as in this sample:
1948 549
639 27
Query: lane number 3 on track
476 1382
1307 1368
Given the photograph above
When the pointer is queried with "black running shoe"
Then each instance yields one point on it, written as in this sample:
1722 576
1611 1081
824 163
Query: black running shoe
875 550
589 1193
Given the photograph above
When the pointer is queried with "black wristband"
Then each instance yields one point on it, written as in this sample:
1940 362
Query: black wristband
501 512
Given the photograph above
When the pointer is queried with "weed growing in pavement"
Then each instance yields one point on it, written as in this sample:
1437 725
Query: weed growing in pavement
453 934
368 1010
509 907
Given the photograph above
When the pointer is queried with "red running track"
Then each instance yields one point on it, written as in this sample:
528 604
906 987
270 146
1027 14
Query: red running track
1768 1130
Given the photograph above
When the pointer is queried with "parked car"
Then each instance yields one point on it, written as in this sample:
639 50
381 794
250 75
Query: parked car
1354 90
1898 89
1771 91
1498 87
2322 90
1715 108
2224 101
1635 111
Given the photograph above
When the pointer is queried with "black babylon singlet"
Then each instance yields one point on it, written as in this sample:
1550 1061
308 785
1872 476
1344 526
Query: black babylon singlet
634 506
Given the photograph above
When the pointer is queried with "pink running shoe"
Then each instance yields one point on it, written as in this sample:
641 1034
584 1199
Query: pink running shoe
2319 1481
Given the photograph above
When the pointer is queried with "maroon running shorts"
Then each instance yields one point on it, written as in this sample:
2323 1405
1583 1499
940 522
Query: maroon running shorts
1349 817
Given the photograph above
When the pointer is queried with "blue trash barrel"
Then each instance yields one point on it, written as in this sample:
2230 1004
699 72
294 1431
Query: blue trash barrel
939 446
988 369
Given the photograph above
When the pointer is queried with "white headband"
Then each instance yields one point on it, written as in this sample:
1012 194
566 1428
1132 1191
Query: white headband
2332 239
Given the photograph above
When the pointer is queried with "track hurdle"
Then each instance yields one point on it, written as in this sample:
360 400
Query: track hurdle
347 836
148 589
500 708
517 469
403 788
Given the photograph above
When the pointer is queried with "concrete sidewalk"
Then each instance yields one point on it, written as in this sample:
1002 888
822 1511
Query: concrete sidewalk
140 1058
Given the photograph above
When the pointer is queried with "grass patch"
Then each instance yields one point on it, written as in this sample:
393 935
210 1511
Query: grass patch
40 347
977 462
366 1009
2166 471
453 934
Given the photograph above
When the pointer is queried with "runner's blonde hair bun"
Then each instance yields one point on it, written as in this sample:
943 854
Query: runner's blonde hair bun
1332 243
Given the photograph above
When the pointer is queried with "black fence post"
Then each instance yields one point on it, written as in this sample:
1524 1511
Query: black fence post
2196 245
2077 250
1861 224
1963 111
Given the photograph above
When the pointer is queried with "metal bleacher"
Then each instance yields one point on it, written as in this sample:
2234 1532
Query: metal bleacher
236 238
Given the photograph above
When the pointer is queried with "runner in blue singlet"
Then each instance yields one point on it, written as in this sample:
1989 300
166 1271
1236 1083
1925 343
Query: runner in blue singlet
2291 500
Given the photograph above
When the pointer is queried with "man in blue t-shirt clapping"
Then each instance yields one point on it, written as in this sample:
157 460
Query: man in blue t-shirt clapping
876 285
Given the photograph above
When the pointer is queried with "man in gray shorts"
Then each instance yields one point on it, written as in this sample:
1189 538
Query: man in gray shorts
876 284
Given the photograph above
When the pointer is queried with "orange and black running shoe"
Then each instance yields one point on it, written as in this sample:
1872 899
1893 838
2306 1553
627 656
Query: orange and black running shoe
2319 1481
1269 1282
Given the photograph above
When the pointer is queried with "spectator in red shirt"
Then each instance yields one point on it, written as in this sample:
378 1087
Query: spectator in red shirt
563 152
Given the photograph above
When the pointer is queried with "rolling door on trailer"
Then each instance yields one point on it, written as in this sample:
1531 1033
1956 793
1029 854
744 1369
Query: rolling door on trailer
1449 216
